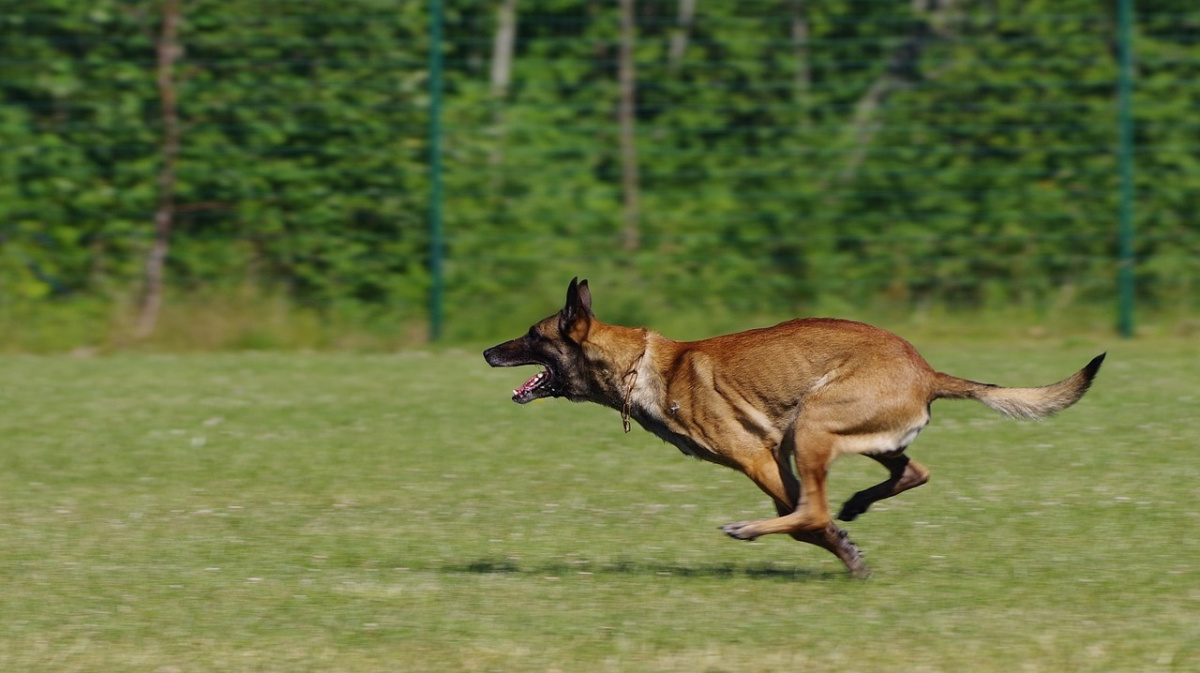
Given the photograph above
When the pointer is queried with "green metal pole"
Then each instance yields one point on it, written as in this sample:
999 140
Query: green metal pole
1125 264
437 243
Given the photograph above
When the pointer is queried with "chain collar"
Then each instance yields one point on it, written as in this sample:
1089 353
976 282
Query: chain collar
630 380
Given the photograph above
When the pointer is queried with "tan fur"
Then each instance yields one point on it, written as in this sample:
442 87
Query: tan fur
804 392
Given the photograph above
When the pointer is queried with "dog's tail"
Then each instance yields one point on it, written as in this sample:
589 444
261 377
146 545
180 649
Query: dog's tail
1030 403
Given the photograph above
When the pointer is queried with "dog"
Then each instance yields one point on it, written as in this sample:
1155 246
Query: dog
800 393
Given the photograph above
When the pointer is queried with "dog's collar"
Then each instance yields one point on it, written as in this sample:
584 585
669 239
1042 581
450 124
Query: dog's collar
629 378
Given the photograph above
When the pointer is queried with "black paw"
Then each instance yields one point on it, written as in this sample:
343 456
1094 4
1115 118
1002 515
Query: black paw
852 510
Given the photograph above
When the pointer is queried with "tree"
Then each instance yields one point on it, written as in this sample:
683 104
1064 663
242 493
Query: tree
169 50
627 115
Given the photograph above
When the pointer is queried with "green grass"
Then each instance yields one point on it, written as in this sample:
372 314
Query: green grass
339 512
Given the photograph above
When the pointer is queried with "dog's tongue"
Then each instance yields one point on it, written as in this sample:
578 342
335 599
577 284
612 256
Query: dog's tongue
521 395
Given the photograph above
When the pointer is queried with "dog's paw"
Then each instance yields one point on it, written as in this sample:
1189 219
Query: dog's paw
852 510
742 530
840 544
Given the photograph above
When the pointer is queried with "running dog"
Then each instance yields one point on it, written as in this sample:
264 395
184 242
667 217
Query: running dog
802 392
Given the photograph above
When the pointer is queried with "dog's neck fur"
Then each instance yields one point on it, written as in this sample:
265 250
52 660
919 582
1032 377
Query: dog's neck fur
629 349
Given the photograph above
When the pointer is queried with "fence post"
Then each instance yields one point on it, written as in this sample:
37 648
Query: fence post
1125 262
436 241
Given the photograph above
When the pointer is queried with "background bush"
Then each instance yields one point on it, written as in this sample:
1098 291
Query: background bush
793 157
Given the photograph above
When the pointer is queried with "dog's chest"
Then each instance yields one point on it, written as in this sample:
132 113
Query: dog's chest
663 429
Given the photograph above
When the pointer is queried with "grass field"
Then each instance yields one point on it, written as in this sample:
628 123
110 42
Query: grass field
339 512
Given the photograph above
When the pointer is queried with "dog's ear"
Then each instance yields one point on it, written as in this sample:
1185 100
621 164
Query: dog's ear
585 297
575 320
579 299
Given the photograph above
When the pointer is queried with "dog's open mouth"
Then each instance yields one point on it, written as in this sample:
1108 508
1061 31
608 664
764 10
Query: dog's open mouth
515 353
543 384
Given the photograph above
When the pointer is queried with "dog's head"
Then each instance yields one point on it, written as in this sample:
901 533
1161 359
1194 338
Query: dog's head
554 343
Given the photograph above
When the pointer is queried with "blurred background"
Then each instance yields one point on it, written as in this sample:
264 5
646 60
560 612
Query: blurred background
203 174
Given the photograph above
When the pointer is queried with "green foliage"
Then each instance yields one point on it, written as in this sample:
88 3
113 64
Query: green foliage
793 157
77 172
961 156
301 149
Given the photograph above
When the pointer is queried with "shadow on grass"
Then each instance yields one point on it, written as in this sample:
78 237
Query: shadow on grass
487 566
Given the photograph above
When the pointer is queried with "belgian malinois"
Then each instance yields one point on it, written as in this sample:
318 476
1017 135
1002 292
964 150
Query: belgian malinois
804 392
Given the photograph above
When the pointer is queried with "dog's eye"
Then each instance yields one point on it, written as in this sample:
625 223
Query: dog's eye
534 334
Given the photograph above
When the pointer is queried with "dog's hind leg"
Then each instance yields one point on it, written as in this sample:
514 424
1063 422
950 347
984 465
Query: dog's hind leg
903 474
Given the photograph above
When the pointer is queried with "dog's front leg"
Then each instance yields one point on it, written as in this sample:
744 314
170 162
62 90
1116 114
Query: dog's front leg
837 541
814 451
775 478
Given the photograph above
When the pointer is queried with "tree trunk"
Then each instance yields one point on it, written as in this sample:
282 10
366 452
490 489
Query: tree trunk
901 70
863 127
502 60
802 80
629 165
169 51
679 38
502 76
502 48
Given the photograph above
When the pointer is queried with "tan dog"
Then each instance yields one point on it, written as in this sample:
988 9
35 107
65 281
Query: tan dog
805 391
